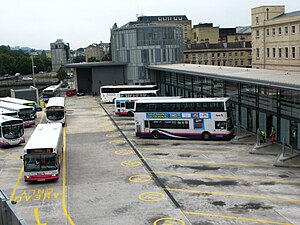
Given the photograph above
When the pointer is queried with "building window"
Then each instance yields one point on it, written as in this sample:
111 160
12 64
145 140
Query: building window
218 54
229 53
219 63
257 53
293 52
257 20
280 52
213 62
274 52
236 62
242 62
293 29
268 32
224 62
257 33
212 55
273 31
286 30
186 56
286 52
242 53
224 54
268 52
236 54
279 30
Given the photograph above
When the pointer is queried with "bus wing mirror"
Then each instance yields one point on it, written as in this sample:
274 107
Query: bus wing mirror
21 157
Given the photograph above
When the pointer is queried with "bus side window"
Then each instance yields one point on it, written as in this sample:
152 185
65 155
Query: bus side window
220 125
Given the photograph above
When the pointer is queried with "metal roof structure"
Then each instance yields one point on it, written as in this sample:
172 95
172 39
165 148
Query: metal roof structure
94 64
263 77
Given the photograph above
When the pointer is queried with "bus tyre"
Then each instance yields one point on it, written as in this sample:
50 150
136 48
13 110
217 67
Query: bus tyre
206 136
130 113
155 134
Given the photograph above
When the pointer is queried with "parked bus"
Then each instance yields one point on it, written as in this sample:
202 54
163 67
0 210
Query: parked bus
55 110
142 93
26 113
125 106
20 102
186 118
51 91
43 153
11 131
110 93
6 112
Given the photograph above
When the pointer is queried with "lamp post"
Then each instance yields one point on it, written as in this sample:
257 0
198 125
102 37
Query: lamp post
32 71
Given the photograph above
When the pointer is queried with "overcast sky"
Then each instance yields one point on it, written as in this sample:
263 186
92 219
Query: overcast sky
37 23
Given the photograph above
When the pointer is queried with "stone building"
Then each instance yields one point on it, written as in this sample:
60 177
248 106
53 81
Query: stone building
60 54
275 38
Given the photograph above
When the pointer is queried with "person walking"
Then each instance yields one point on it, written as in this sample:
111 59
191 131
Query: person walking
272 134
263 136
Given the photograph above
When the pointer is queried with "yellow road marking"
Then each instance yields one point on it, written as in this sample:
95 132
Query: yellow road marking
169 221
131 163
63 200
12 196
123 152
228 177
232 194
190 150
235 218
151 196
37 219
205 162
140 178
10 158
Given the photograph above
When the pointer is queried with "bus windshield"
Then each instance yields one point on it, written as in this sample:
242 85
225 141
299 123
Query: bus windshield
40 162
13 131
55 114
26 114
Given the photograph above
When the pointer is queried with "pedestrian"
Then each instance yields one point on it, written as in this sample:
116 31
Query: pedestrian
263 136
272 134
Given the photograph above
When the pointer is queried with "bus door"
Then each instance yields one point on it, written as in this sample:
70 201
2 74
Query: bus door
147 126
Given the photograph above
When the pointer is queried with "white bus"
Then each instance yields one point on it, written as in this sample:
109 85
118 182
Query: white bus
20 102
109 93
11 131
42 154
55 110
125 106
186 118
142 93
6 112
26 113
51 91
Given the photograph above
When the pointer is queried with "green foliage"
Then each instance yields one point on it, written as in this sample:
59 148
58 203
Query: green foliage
61 74
79 59
18 61
92 59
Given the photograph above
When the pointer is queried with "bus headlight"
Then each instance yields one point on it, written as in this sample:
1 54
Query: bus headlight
27 177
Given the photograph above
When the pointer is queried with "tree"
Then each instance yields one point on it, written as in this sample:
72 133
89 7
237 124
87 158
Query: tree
79 59
92 59
61 74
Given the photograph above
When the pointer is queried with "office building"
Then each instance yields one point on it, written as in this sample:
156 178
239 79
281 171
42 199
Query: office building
140 44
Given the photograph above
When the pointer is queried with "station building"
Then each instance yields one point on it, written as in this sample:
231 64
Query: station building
261 98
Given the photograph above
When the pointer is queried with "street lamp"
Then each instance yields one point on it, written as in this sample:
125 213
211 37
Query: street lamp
32 71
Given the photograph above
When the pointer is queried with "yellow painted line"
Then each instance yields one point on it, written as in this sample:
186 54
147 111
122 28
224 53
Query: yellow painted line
235 218
169 221
233 195
227 177
63 200
10 158
190 150
205 162
12 196
37 219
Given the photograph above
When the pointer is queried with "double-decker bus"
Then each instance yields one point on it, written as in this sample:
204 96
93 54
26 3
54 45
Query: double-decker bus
142 93
51 91
11 131
6 112
20 102
125 106
26 113
110 93
43 153
186 118
55 110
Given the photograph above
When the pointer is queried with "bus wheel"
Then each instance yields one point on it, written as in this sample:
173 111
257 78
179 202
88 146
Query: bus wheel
130 113
155 134
206 136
